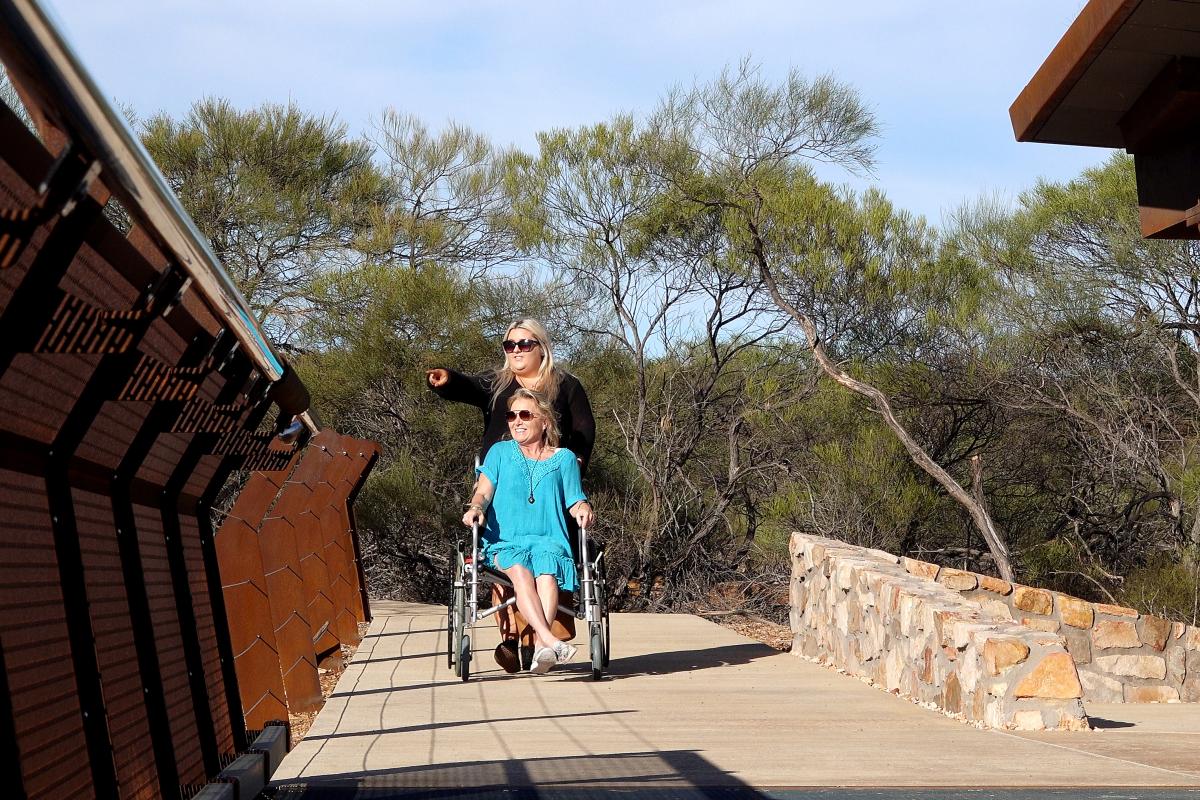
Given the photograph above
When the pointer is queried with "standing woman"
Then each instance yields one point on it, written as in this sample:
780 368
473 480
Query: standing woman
527 486
528 364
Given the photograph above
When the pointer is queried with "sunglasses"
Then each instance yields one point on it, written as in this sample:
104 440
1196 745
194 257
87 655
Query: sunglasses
524 414
522 346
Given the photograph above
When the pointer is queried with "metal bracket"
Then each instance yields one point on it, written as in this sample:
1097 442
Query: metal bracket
177 299
81 189
229 356
66 183
162 284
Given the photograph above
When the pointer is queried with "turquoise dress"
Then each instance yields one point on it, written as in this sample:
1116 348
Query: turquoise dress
532 534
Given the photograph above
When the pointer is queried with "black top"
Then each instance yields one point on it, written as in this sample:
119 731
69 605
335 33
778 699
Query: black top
576 425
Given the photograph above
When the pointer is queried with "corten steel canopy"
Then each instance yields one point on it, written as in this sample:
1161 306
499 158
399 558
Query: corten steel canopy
1127 74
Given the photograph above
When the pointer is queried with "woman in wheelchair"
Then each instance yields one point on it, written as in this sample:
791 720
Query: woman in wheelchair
529 363
526 488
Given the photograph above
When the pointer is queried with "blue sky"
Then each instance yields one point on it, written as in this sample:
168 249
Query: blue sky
940 75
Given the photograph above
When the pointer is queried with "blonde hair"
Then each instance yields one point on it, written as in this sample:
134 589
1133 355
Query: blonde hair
548 375
545 410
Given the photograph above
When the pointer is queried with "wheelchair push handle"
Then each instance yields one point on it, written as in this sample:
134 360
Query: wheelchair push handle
476 515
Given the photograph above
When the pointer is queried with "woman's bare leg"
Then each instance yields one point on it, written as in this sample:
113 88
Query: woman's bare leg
530 605
547 589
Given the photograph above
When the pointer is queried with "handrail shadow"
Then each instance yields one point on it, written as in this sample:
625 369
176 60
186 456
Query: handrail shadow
402 657
682 774
437 726
404 633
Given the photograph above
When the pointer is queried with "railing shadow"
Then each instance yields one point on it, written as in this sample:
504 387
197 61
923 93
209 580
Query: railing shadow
402 657
438 726
382 635
676 774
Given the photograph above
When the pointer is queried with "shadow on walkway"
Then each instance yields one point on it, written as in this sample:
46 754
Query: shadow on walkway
403 633
437 726
673 774
403 657
1101 723
665 775
669 662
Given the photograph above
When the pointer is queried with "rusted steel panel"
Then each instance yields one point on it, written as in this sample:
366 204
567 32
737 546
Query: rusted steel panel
298 660
298 505
244 585
257 497
293 635
1084 40
257 678
36 392
353 461
123 690
176 689
318 458
111 434
363 455
320 609
314 500
37 656
339 566
206 631
260 658
245 589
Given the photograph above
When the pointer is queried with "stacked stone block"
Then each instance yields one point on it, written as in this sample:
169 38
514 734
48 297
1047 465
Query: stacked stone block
872 615
1122 655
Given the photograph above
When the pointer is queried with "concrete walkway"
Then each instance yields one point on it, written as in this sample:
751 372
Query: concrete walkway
690 706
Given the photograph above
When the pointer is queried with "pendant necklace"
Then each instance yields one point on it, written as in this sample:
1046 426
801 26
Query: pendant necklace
529 472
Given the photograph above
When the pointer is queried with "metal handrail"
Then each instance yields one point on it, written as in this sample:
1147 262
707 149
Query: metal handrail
131 173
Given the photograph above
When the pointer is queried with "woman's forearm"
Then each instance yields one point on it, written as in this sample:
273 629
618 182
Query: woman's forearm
460 388
481 497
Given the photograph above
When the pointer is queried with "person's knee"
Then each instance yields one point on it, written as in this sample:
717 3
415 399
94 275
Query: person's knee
518 574
524 583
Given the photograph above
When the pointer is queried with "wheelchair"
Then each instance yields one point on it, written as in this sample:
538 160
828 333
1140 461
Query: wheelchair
463 611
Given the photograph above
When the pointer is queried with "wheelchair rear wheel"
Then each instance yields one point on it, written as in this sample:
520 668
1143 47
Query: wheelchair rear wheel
451 604
596 648
598 631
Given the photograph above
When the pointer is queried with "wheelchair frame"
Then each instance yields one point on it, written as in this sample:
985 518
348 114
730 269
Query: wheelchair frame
463 609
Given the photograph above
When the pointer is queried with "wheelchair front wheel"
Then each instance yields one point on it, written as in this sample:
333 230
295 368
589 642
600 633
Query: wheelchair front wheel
596 648
607 640
464 658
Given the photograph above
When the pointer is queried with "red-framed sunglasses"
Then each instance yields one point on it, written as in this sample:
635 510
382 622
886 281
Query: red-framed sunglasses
524 414
521 346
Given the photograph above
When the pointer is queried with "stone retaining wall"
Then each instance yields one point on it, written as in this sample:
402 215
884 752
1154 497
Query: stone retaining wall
1122 655
864 612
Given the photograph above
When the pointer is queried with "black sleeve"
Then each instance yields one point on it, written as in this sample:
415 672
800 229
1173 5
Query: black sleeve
470 389
583 425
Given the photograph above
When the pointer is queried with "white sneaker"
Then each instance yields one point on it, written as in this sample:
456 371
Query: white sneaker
543 659
563 652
